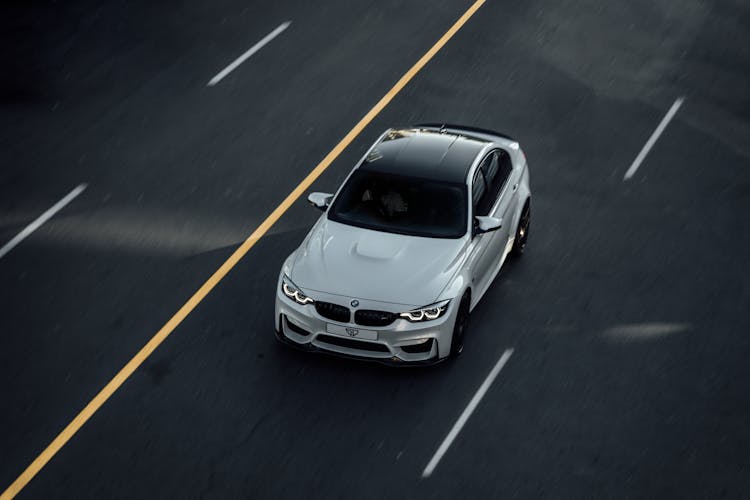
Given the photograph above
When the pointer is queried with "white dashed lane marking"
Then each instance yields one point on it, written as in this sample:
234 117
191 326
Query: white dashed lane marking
41 220
252 50
654 137
467 413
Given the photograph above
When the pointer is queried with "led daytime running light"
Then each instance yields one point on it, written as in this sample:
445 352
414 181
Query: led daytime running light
427 313
294 294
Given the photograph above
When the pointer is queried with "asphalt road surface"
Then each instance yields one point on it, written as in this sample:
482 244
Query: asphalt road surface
629 316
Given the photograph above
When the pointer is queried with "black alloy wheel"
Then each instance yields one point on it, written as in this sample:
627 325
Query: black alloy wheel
459 329
522 233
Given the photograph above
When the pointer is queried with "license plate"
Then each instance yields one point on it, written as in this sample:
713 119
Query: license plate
351 332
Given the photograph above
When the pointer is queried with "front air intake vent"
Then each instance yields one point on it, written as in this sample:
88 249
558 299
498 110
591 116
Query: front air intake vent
352 343
366 317
333 312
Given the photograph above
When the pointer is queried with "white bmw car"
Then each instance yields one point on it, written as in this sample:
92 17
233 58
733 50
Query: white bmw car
407 246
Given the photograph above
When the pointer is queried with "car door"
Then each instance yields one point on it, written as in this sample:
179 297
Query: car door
504 189
497 193
482 203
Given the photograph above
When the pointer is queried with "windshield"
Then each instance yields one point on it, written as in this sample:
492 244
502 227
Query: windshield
403 205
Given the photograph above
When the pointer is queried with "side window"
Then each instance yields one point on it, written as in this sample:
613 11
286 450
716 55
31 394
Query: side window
505 167
490 171
478 192
490 168
489 180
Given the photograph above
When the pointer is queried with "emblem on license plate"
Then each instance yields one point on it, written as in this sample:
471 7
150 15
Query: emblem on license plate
353 332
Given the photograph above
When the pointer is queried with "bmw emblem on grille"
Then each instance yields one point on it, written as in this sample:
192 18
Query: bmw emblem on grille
354 303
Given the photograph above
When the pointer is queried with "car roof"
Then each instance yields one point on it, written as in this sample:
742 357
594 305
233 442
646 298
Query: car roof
425 154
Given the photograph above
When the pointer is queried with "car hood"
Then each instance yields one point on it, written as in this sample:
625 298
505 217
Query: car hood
355 262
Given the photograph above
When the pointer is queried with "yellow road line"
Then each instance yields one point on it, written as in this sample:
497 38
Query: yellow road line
127 370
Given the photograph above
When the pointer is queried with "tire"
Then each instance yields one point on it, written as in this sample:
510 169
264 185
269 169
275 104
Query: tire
522 231
460 327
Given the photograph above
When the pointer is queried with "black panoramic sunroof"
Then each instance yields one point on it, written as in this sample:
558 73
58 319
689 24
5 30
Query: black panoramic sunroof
424 154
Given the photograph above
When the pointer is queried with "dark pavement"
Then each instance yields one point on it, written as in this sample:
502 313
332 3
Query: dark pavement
629 315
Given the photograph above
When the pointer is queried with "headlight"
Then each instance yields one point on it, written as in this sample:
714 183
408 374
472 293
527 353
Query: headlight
291 291
426 313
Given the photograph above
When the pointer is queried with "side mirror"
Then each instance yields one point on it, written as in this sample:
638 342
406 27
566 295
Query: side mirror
320 200
486 224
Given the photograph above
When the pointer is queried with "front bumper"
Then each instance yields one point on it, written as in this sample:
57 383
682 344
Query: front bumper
400 343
